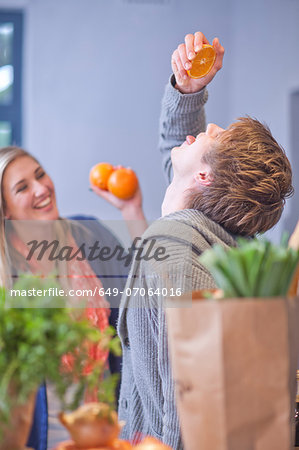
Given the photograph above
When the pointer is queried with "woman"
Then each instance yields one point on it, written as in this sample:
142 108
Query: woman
27 197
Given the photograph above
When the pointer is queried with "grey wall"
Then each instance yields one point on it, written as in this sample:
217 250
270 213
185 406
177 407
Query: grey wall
95 70
264 74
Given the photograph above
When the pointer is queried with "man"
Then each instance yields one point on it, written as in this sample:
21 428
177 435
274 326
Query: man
223 183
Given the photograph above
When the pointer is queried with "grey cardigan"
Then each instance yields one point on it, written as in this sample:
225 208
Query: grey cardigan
147 402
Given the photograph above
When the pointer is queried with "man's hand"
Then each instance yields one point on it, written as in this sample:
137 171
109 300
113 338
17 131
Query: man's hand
180 62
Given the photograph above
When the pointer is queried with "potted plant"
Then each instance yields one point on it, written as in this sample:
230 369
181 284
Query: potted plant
234 358
34 337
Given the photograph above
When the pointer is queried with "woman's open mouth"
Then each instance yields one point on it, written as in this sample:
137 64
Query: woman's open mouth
44 203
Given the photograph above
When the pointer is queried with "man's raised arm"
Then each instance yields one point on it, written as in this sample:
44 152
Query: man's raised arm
182 112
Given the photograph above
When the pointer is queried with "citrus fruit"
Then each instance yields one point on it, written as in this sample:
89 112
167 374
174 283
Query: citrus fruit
150 443
123 183
203 62
100 174
121 445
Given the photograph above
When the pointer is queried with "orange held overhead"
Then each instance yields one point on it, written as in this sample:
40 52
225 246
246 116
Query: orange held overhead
203 62
123 183
100 174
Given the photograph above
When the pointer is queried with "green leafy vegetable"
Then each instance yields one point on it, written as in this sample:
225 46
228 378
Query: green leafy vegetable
255 268
33 339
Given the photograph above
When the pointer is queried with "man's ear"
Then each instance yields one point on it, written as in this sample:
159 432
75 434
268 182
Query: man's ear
204 178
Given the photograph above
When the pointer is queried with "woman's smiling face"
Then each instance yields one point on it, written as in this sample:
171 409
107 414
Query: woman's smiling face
28 192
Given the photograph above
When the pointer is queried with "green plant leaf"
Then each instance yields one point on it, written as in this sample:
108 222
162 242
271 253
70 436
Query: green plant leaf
255 268
33 340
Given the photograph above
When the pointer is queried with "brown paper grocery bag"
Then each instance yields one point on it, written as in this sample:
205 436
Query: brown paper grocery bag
234 364
294 288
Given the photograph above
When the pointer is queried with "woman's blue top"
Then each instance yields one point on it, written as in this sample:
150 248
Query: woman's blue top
111 269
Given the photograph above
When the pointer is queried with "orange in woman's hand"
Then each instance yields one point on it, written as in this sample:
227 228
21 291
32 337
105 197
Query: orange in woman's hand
123 183
203 62
100 174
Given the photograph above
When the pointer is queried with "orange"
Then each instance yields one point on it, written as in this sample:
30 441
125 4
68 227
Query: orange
123 183
121 445
116 445
100 174
203 62
150 443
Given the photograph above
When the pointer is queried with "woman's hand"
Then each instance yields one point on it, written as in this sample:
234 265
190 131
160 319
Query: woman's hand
131 209
181 62
134 204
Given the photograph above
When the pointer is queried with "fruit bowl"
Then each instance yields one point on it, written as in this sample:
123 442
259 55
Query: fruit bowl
149 443
94 426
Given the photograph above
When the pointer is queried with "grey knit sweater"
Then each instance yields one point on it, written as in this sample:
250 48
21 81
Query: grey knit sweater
147 402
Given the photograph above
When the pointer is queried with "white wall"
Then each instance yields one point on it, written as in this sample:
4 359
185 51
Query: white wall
94 74
264 73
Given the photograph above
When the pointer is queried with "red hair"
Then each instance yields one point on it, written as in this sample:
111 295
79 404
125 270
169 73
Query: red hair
252 178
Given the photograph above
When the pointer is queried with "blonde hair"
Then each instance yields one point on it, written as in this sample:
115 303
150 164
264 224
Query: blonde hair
62 227
252 178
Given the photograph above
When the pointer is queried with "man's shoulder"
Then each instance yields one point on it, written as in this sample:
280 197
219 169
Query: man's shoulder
178 240
169 227
168 248
189 226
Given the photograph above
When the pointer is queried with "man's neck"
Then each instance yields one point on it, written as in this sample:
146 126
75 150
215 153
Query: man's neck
176 196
